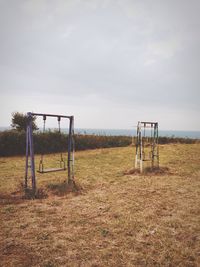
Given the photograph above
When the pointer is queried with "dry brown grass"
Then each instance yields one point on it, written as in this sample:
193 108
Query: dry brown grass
114 220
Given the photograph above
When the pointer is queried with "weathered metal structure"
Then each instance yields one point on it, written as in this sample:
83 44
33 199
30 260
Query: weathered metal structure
147 148
30 160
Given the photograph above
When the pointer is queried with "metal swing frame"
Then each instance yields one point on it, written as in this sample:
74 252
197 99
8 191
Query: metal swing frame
30 161
141 143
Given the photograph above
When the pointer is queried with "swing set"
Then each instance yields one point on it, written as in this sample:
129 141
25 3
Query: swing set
30 162
147 144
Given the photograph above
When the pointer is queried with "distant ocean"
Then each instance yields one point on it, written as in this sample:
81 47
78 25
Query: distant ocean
131 132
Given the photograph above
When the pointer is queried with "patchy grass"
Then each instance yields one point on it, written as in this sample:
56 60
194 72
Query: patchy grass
116 219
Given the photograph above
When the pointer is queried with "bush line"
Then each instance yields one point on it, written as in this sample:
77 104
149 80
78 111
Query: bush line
13 143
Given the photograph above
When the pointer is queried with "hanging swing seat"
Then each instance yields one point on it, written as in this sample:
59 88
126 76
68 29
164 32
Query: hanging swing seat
62 163
51 170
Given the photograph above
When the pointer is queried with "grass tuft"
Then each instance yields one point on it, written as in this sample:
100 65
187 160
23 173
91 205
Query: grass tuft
61 189
148 170
31 194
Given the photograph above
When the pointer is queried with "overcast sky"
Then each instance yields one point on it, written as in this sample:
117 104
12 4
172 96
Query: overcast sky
108 62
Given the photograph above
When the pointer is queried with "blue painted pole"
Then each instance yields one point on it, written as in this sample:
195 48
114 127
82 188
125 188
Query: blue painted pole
32 153
27 156
69 149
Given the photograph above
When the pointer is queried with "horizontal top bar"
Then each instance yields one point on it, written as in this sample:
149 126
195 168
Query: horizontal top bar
48 115
147 122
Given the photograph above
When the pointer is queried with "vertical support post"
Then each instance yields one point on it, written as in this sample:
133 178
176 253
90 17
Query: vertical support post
73 150
141 150
151 142
30 151
153 146
27 157
69 149
32 156
155 151
137 144
157 146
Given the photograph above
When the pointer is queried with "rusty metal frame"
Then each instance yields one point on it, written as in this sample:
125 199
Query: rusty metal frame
141 144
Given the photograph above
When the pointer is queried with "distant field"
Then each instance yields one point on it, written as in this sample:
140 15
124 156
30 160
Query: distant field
114 220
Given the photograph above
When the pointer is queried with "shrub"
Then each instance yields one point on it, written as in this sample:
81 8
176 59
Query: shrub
13 142
19 121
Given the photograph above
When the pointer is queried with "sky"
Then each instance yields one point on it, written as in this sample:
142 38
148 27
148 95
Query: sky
110 63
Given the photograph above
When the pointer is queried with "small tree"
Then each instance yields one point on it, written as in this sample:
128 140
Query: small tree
19 121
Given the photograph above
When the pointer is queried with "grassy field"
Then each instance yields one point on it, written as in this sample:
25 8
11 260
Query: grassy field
115 219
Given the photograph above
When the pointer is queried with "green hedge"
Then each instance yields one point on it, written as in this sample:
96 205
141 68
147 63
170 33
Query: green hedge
14 142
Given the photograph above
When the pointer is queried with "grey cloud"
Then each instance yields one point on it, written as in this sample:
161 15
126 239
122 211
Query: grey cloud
131 53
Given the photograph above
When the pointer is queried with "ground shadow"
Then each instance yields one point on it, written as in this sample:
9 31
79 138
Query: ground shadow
59 189
149 171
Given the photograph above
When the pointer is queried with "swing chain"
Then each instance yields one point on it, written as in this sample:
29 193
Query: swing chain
41 165
62 162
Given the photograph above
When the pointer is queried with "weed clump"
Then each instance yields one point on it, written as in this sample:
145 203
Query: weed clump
31 194
156 170
61 189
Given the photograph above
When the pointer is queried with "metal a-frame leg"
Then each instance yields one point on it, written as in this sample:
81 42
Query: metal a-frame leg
139 149
27 158
155 151
30 163
136 153
70 160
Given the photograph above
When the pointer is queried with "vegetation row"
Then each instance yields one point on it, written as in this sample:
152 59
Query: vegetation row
13 142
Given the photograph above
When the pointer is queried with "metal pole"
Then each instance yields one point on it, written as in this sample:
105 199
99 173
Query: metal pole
157 144
69 149
48 115
32 153
27 156
136 154
73 149
141 156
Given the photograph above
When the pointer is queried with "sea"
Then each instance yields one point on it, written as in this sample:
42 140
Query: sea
129 132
